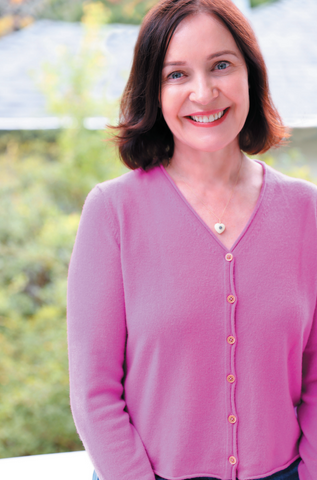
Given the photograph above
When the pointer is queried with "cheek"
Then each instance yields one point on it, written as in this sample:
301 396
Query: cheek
244 91
247 101
240 94
170 105
245 97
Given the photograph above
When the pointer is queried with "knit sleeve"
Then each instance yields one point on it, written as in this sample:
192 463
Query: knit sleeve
307 410
96 344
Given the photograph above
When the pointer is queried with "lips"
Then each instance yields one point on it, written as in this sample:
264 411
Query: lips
208 119
207 112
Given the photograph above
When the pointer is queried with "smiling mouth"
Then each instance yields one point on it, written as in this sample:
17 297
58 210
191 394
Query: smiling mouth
208 118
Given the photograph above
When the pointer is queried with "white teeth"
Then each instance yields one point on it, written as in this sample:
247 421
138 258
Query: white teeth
205 119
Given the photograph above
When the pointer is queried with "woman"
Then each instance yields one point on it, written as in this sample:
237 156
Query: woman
192 284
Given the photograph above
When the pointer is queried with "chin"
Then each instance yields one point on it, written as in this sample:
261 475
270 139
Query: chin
208 147
210 144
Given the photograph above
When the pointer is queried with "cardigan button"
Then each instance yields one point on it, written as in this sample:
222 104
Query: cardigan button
232 419
231 339
231 298
229 257
230 378
232 460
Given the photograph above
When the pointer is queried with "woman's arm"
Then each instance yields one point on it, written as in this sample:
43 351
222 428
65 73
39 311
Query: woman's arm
307 410
96 343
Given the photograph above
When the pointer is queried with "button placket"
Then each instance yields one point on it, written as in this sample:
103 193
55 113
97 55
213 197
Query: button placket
231 340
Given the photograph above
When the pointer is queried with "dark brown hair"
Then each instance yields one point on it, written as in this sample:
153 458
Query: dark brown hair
143 137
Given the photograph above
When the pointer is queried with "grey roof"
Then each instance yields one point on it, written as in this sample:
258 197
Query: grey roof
22 54
285 29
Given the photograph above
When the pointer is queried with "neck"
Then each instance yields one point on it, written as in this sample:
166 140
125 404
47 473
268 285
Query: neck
208 170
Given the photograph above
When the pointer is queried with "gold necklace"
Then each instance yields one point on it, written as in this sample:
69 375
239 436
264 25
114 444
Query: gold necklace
219 227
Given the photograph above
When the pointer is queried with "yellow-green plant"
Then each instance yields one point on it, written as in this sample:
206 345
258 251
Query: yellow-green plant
292 163
68 85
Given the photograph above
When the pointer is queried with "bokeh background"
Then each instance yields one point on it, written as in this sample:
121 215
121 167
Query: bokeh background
64 64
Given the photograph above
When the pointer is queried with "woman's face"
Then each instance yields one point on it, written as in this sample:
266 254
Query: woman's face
205 92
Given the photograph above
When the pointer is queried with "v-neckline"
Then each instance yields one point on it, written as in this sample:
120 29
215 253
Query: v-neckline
257 205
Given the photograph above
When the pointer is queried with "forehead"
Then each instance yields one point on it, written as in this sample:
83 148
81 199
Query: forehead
201 33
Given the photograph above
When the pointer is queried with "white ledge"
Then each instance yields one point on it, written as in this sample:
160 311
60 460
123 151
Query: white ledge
54 466
49 123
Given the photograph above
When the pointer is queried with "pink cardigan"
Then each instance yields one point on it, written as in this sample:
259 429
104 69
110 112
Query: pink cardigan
186 360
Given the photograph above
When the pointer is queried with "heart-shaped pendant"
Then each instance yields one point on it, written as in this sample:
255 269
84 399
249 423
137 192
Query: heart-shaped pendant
220 227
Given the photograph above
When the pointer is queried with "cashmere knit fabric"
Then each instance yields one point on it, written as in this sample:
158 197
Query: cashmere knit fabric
184 361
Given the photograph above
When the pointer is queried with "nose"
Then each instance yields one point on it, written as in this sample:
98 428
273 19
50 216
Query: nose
203 90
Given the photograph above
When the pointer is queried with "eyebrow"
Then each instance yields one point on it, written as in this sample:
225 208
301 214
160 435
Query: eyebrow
210 57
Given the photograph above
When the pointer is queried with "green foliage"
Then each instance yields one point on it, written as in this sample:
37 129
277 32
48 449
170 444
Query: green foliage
291 162
256 3
36 238
40 203
34 412
121 11
129 11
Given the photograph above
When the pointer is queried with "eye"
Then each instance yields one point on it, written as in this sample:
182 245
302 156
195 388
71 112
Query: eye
175 75
222 66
